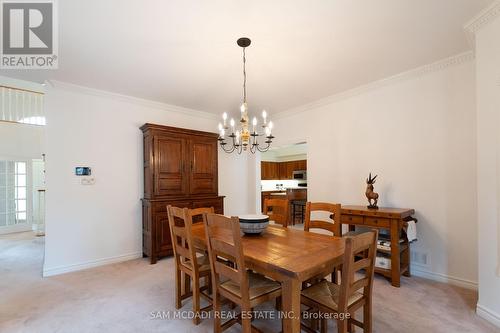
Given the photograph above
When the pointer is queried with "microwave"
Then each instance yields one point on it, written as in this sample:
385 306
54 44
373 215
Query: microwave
300 175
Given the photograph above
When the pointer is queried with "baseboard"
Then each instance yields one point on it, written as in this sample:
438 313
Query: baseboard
488 315
89 264
419 271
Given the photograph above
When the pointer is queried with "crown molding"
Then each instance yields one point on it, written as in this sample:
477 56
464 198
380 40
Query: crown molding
481 20
129 99
411 74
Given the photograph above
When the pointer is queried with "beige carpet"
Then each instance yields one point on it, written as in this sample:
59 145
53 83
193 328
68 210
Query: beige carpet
121 298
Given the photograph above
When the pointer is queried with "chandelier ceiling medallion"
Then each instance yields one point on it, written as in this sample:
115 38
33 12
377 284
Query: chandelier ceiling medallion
241 138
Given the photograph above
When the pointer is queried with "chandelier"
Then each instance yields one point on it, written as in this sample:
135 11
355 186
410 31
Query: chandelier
241 138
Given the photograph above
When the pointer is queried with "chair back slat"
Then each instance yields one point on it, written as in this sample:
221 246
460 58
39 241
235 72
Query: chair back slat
183 253
360 253
331 224
223 237
197 213
361 264
179 231
277 210
225 270
223 249
361 283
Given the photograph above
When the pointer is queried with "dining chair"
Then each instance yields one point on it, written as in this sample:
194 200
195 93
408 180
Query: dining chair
355 289
234 282
190 261
330 224
277 210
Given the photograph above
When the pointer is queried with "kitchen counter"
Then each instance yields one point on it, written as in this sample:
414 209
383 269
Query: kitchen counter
284 190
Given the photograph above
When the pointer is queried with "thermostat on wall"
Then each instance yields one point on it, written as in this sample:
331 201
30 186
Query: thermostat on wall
83 171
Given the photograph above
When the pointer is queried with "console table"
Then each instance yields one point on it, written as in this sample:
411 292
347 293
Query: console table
392 219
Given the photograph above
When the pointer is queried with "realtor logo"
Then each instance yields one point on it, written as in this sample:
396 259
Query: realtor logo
29 35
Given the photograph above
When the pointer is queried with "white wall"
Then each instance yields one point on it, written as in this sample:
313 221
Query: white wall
488 179
38 183
92 225
21 141
417 132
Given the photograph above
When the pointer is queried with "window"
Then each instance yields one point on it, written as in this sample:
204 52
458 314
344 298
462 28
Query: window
21 106
13 193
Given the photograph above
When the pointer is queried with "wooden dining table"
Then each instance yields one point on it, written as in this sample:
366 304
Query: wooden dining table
289 256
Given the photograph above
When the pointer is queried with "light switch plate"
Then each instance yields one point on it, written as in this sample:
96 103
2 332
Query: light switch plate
88 181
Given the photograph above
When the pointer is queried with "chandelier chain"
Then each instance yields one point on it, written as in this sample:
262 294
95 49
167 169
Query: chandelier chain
244 77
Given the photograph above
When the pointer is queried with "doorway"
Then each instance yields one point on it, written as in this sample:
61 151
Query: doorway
284 176
22 177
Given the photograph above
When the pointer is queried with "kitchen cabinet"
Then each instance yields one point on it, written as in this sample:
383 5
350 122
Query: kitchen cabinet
269 170
281 170
300 165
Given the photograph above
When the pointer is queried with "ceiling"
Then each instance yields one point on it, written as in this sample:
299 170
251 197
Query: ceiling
184 52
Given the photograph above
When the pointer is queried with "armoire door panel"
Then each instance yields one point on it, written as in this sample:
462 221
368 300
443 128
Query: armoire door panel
203 175
163 240
170 175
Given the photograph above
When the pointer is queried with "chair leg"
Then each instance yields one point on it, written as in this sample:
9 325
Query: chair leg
246 324
279 306
187 284
367 316
178 288
314 324
196 300
246 320
342 326
324 326
217 314
208 283
352 327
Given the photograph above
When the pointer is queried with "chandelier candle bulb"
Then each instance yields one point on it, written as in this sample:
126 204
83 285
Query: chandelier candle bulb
264 116
232 125
224 117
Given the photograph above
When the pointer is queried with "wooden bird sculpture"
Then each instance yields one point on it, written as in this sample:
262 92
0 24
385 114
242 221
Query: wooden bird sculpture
370 195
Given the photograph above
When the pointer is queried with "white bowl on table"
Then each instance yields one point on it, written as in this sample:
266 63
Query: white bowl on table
253 224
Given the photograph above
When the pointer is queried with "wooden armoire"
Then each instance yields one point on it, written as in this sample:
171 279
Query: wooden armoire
180 169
